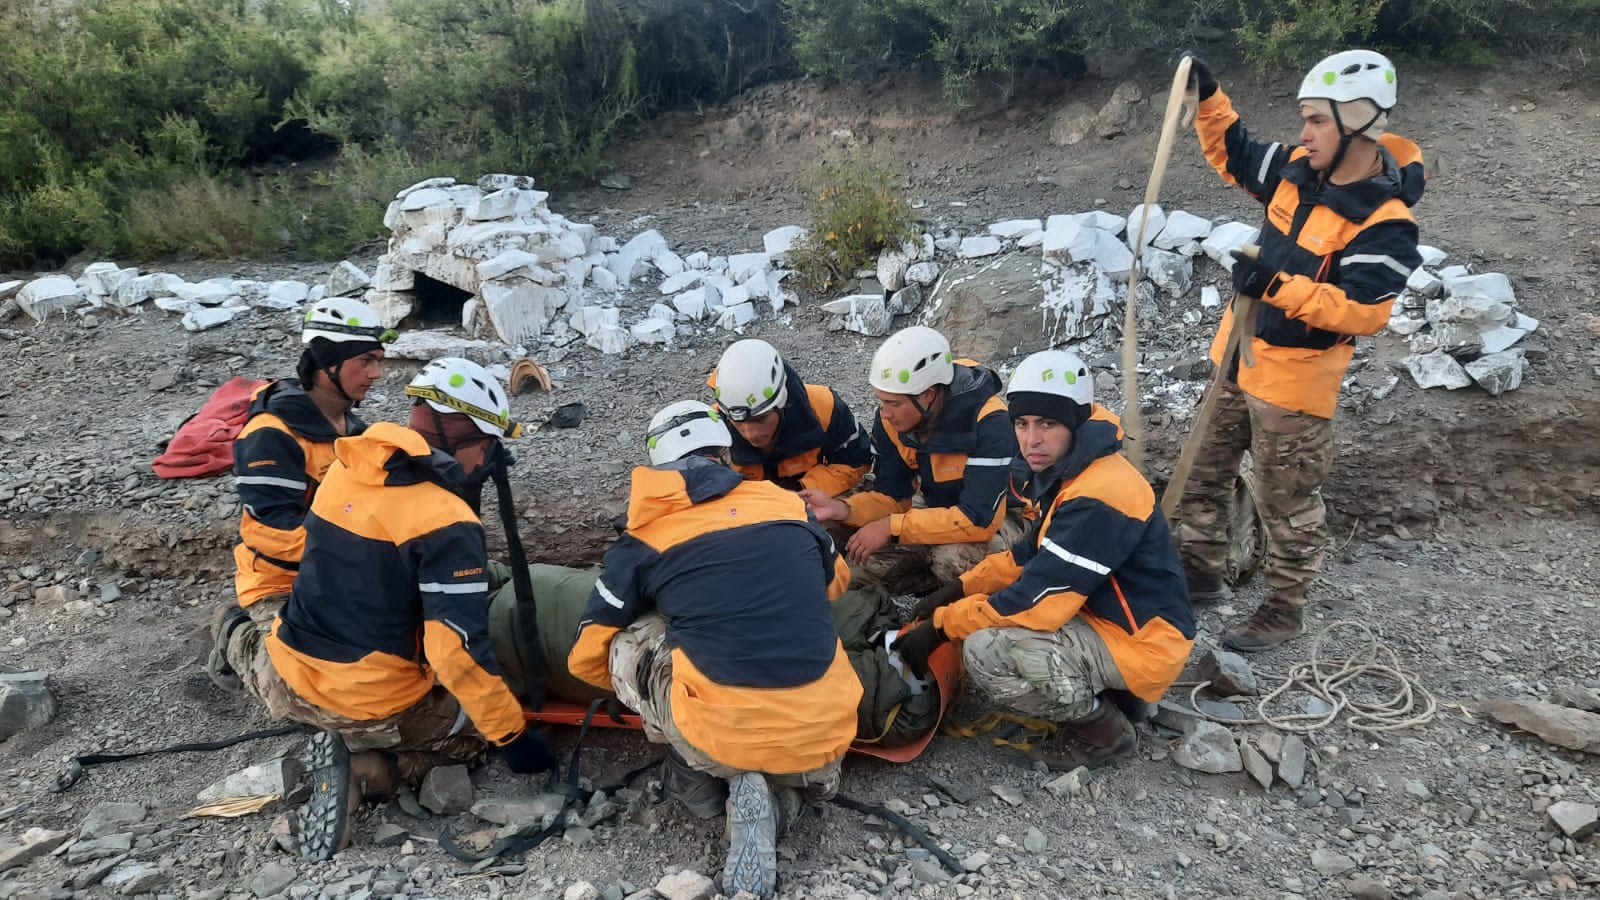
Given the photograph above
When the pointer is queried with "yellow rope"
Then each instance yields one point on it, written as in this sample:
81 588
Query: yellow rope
1028 731
1327 678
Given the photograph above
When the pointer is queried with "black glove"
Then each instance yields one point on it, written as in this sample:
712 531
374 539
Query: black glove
916 645
529 753
945 595
1251 277
1201 78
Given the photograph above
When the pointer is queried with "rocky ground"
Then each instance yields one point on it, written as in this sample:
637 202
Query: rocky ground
1464 529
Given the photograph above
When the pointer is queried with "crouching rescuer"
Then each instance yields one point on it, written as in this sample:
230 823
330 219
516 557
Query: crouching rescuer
384 641
1091 603
712 620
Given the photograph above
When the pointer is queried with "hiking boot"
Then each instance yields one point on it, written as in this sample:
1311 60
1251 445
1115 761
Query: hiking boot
325 819
701 794
752 837
1135 709
1208 590
223 622
789 804
1103 736
1273 623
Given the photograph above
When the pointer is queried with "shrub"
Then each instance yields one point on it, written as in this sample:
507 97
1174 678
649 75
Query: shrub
1293 33
858 212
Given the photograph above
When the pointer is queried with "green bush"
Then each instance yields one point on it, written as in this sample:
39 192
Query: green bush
859 210
1293 33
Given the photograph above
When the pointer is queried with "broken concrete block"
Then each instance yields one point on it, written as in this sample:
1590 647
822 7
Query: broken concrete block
1229 673
1425 283
906 300
1209 748
1436 369
609 339
25 702
590 319
505 204
204 318
1012 229
1182 228
603 279
892 266
1169 271
779 241
520 262
1069 242
1431 256
1152 226
672 284
1470 310
446 790
922 273
275 776
52 293
691 304
1576 820
1497 372
653 331
1112 256
736 316
106 278
866 314
290 294
1492 287
979 246
745 266
521 310
347 279
1227 237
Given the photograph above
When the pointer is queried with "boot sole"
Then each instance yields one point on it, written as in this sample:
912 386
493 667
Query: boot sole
325 818
752 838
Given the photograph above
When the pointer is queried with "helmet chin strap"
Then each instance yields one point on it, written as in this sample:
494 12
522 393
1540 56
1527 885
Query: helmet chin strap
1345 137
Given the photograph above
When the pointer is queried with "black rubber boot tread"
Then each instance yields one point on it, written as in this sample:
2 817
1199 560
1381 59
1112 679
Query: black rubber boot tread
325 818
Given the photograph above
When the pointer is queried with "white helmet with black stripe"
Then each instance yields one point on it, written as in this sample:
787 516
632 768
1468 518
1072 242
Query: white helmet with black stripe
683 427
750 380
454 385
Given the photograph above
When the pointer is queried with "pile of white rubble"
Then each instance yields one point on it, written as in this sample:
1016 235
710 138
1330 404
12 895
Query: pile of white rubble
1462 327
106 287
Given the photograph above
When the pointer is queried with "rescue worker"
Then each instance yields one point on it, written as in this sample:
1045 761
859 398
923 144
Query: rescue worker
286 445
1091 602
1337 244
944 448
712 621
384 642
784 430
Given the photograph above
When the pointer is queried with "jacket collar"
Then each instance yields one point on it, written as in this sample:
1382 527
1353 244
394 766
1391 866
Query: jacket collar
290 403
956 430
1402 177
392 455
1098 437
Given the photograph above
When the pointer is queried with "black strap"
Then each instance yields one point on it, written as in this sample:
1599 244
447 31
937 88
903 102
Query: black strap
527 617
74 770
905 825
517 844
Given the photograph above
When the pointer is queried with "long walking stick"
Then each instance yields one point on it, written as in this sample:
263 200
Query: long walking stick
1132 424
1240 331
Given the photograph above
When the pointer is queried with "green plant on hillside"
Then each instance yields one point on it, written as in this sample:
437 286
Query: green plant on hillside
859 210
1292 33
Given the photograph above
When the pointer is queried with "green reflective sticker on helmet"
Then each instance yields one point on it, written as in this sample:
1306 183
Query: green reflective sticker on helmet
1072 377
352 321
651 442
310 314
505 412
1330 77
750 399
767 392
1388 75
717 392
457 380
713 415
1047 375
904 376
948 356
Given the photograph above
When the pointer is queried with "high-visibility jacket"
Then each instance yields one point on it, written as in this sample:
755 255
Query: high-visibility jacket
1345 251
818 443
279 458
744 579
961 468
393 592
1101 551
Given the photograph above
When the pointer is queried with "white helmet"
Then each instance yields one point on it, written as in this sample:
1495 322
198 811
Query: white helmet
750 380
340 319
683 427
1055 384
455 385
911 361
1351 77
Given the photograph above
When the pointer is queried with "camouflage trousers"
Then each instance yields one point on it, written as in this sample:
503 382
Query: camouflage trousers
433 731
641 674
263 611
1050 675
906 568
1291 454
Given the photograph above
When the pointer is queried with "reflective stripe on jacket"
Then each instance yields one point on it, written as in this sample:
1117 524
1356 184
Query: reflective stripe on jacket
393 590
1346 251
1102 551
743 578
961 470
280 456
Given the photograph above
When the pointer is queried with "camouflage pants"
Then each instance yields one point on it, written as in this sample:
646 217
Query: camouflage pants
1291 453
902 568
432 731
1050 675
641 673
263 611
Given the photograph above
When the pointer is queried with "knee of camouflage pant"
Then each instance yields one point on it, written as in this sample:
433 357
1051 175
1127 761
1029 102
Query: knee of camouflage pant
950 561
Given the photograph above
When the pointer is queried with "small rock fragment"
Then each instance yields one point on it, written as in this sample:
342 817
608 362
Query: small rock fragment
686 884
1576 820
1329 863
1209 748
1292 761
1228 673
446 790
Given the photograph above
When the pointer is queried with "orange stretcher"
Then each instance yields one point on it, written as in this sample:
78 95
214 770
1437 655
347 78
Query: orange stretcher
944 663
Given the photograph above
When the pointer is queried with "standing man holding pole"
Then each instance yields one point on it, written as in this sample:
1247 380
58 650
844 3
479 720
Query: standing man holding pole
1337 245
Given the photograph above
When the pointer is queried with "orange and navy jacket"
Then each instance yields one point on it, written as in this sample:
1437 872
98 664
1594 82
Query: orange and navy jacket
1344 252
818 445
393 591
1101 551
962 468
744 578
279 458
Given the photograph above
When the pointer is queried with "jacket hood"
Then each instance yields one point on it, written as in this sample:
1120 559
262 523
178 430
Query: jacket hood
956 430
1402 177
1100 436
388 454
659 491
290 403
